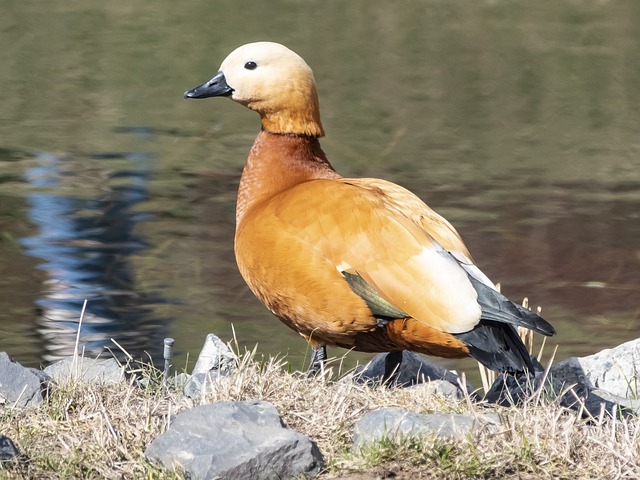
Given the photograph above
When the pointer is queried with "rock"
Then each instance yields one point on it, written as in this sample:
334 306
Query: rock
195 386
178 381
631 405
616 370
8 450
441 387
585 399
87 370
215 360
396 423
215 357
414 369
239 440
515 389
20 386
43 377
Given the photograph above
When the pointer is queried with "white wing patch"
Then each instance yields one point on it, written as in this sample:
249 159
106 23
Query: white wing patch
452 288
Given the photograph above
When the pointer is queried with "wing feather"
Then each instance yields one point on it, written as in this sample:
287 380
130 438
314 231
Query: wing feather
358 225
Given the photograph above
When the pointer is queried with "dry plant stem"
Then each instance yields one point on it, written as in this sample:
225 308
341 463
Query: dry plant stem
75 366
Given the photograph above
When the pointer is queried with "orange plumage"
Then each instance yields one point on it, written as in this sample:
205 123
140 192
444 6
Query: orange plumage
356 263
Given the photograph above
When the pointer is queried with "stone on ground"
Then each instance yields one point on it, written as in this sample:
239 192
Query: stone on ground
397 423
239 440
86 370
8 450
414 369
616 370
20 386
215 360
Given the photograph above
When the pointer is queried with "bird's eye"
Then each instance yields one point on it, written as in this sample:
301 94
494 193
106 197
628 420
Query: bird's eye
250 65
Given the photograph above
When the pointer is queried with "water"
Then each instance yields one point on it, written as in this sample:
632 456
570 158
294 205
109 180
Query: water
518 122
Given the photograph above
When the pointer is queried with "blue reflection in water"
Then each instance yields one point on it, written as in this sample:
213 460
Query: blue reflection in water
86 245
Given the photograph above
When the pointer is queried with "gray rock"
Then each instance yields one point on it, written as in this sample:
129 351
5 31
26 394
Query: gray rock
20 386
178 381
414 369
235 440
196 385
42 376
215 360
616 370
613 401
515 388
607 380
215 356
441 387
579 395
86 370
8 450
570 371
397 423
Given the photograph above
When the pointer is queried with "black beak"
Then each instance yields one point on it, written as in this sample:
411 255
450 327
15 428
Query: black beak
216 87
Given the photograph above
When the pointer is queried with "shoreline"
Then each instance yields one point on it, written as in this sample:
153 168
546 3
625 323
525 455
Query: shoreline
103 425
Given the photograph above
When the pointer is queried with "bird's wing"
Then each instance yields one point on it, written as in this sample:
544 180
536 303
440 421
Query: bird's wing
495 306
363 230
406 203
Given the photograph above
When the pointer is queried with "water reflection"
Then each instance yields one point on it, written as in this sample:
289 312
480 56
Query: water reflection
86 245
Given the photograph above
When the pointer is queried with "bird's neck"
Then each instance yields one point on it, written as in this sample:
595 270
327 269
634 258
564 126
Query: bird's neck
299 116
295 111
276 163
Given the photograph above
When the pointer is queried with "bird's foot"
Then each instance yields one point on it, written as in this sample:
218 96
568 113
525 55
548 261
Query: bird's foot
318 359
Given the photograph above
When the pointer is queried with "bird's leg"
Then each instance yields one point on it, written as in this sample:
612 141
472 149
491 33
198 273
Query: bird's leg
392 364
318 358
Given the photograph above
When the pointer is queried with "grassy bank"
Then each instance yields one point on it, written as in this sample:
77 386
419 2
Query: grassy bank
89 431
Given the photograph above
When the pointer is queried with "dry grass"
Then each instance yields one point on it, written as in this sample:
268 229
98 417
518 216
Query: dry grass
88 431
102 431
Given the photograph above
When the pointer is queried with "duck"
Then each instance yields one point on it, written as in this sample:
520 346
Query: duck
358 263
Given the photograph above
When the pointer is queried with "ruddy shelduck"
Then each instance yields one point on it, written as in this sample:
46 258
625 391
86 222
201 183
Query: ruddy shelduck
359 263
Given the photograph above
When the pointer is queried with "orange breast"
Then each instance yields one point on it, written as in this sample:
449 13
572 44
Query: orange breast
296 280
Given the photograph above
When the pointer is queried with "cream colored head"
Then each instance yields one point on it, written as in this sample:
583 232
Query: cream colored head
272 80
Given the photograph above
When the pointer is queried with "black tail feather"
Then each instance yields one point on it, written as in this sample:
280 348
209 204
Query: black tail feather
498 308
494 341
498 347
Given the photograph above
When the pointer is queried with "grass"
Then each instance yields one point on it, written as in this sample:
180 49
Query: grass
87 431
101 431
